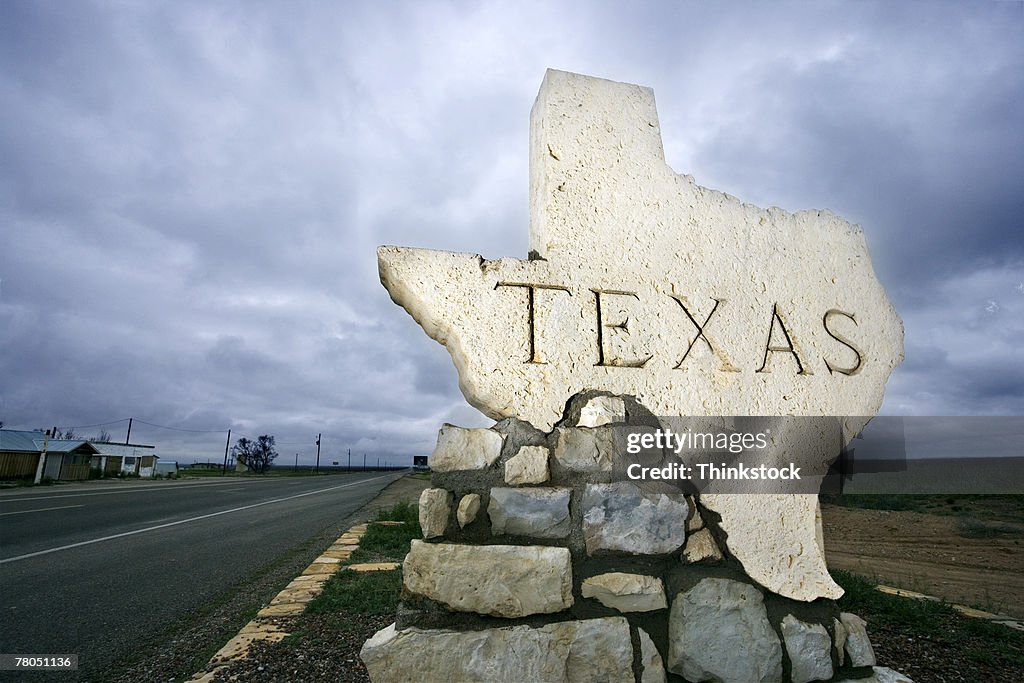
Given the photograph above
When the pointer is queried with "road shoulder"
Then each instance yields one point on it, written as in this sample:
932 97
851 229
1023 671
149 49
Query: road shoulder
270 623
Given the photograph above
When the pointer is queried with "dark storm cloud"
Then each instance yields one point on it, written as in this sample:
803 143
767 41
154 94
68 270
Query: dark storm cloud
191 194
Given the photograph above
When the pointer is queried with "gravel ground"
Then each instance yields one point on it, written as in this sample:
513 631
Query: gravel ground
326 650
927 659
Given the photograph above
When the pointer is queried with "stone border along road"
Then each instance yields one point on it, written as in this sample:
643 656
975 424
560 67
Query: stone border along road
303 588
971 612
292 601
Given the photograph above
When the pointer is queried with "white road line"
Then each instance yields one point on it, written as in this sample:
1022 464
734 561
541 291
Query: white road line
139 489
183 521
25 512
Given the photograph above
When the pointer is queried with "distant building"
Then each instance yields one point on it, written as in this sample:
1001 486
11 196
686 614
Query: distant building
34 455
204 467
114 459
22 455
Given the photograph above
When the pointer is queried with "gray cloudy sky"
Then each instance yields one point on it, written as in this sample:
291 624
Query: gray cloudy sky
191 193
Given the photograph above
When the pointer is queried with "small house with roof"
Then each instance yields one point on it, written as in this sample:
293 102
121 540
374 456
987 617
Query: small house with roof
34 455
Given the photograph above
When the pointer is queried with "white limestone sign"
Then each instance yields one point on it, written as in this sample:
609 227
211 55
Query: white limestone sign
642 283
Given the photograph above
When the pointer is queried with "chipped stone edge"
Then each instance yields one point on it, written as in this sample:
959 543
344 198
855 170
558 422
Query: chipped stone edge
291 601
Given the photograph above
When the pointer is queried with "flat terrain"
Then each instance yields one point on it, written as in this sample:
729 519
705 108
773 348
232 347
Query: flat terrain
967 550
105 570
143 580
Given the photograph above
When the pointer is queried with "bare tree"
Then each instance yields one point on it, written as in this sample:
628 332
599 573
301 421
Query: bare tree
257 455
242 451
102 437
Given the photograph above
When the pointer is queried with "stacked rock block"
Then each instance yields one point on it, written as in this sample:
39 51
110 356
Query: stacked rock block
537 566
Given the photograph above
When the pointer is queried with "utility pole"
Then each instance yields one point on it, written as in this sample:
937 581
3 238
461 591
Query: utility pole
364 461
378 462
318 452
42 459
226 445
296 462
350 459
129 435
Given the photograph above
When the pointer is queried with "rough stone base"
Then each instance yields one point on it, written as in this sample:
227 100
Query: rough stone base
570 651
572 576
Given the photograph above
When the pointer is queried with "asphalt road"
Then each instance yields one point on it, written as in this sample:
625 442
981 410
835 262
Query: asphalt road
99 569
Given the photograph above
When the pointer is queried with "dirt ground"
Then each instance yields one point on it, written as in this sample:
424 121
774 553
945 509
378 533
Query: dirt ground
933 554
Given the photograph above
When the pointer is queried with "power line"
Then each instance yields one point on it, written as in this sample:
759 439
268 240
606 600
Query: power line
151 424
101 424
181 429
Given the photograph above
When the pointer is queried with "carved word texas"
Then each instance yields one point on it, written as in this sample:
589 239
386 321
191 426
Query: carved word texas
608 325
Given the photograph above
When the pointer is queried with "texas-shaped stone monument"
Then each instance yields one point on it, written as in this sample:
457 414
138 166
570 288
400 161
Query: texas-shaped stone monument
642 291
